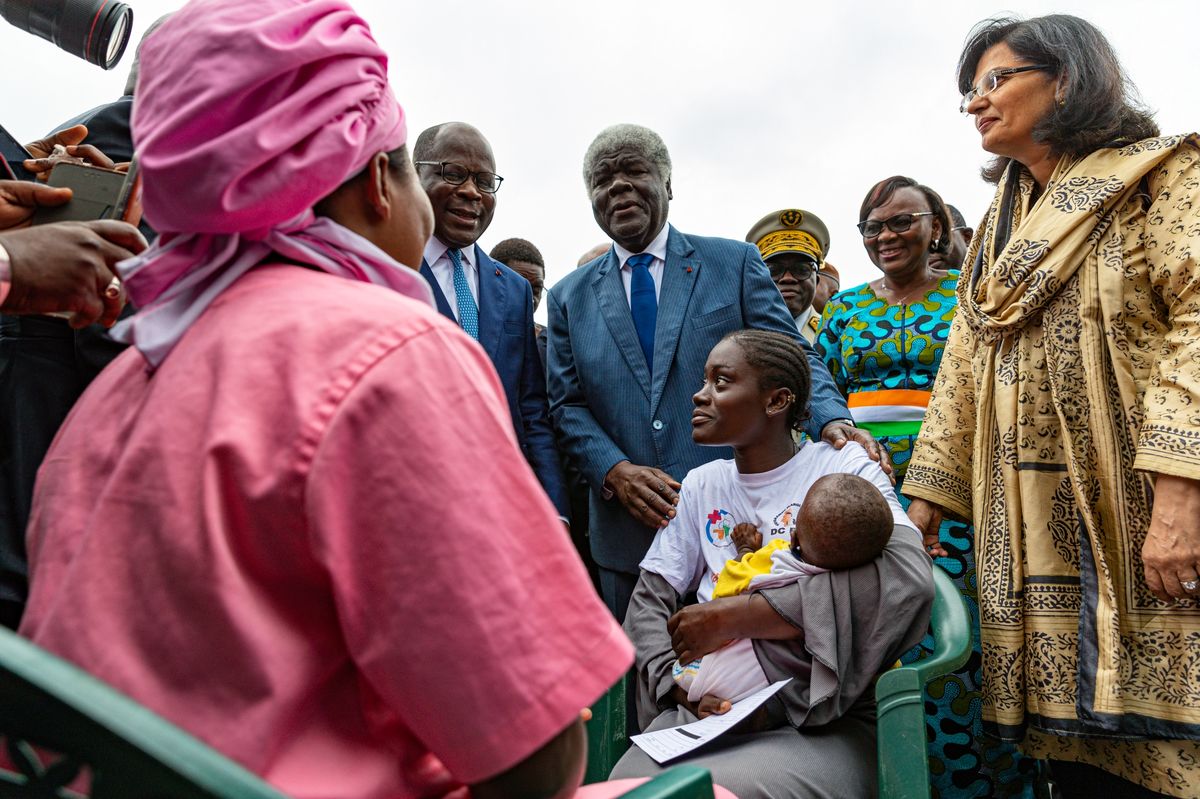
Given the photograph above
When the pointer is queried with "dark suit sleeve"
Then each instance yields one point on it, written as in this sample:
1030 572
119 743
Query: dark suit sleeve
763 309
590 449
535 416
108 128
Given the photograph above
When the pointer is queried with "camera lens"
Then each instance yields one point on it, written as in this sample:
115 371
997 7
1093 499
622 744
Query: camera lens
94 30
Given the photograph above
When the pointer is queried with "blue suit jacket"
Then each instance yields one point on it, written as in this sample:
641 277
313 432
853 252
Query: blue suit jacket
604 402
506 333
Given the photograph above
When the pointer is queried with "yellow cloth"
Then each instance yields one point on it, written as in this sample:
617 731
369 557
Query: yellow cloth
1072 370
737 574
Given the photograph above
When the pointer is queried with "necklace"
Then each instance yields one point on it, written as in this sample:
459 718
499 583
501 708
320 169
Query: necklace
902 296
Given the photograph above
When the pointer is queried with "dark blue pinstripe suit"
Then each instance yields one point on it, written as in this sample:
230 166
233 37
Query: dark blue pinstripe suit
605 404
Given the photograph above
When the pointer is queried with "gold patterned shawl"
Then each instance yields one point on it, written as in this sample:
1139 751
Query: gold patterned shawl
1073 363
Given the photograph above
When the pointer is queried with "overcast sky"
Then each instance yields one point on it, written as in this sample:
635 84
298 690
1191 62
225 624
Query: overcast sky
764 105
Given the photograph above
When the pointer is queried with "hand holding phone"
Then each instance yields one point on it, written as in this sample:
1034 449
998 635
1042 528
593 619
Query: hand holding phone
19 199
96 194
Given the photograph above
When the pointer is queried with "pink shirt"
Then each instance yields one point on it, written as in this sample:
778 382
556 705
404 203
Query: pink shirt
310 539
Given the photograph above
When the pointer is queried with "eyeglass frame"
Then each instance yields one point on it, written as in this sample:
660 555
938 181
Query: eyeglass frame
862 226
813 267
473 176
994 75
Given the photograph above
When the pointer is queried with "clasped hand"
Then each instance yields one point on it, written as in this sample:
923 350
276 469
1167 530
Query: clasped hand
649 494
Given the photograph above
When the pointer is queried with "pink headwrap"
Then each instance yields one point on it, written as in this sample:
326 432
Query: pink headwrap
248 113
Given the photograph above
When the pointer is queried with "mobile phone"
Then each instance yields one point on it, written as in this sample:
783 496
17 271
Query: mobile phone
97 193
14 155
129 201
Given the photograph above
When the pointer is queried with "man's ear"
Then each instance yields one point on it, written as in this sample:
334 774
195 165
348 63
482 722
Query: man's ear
379 187
669 195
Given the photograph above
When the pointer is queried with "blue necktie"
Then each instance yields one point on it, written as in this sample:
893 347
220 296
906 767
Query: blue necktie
643 304
468 311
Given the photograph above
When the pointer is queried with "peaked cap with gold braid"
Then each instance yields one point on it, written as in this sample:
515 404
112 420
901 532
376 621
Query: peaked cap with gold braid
791 230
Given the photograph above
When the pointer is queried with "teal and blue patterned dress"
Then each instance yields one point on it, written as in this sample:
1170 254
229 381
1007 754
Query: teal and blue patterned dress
884 359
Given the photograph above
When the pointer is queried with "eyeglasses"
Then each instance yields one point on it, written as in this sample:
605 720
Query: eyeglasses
991 81
456 175
870 228
801 270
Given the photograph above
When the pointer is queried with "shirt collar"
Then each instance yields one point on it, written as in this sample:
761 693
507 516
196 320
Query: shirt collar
657 248
435 248
803 318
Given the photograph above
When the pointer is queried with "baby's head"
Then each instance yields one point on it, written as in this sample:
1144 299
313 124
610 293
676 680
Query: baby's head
844 522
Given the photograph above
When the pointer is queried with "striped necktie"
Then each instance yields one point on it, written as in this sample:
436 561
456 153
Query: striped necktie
643 304
468 311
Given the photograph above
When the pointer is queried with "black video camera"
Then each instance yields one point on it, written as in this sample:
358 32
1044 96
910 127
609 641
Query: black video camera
95 30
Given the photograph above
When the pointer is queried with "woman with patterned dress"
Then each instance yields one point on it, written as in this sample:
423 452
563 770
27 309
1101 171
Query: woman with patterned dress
1064 420
882 342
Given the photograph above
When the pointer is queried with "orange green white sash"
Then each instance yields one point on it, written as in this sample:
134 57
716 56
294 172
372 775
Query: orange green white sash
891 412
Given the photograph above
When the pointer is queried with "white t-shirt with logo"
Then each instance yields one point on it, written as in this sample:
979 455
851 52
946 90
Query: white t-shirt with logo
690 552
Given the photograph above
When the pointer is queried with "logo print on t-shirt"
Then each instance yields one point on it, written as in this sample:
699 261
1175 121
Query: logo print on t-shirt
785 520
719 528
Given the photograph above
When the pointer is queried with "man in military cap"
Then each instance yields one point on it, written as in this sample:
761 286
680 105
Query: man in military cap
793 243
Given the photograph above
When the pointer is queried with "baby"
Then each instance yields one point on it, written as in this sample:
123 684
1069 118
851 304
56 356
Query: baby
843 523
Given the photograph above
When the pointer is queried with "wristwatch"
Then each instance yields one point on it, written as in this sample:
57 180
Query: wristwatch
847 422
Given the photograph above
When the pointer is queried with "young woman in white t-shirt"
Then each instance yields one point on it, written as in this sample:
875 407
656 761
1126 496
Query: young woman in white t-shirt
755 394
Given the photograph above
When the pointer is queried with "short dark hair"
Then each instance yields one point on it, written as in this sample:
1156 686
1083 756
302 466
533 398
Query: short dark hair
854 520
956 217
781 363
397 162
882 191
1099 104
424 144
511 250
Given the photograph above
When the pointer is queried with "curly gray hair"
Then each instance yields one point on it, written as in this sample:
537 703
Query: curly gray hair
641 140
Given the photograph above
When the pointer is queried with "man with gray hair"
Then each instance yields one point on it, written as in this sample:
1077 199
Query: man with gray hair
629 336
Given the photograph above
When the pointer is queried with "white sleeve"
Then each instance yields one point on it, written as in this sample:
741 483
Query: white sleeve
675 554
856 461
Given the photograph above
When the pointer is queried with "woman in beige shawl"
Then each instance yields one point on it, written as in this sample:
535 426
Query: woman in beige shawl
1065 420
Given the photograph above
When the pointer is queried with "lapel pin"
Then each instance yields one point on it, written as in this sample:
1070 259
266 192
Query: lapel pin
497 273
689 269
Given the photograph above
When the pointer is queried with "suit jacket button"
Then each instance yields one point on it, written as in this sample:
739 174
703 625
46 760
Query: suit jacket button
658 425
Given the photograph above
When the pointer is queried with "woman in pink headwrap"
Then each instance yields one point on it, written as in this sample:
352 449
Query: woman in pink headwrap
230 526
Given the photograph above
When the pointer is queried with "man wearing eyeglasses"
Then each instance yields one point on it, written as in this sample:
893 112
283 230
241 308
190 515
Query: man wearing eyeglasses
491 302
793 243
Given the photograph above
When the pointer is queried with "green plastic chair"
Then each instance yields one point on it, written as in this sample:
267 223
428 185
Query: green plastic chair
681 782
128 751
606 734
900 696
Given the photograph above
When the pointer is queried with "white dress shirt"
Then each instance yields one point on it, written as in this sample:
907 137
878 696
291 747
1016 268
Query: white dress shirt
437 255
657 248
802 323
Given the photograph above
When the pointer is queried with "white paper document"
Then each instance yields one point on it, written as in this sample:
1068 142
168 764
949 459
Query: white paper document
664 745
